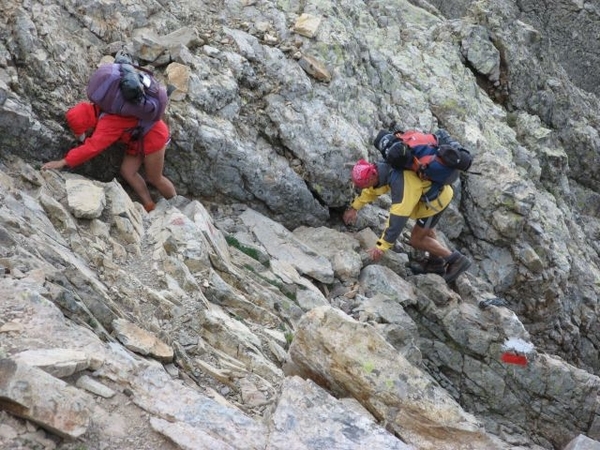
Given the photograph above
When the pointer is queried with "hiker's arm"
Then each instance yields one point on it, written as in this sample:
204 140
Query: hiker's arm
59 164
107 132
391 233
403 202
367 195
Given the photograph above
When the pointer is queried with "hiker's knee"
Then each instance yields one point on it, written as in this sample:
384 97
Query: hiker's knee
418 235
129 171
125 172
415 241
130 166
155 179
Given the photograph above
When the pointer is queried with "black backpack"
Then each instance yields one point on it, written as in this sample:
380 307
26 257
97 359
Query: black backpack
436 157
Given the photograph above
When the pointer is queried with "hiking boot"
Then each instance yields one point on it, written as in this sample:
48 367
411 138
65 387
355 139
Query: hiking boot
431 265
435 265
416 267
455 268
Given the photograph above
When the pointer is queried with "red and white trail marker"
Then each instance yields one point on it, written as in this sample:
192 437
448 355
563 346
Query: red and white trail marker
516 351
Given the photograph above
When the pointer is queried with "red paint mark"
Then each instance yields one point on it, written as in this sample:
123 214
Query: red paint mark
178 221
511 358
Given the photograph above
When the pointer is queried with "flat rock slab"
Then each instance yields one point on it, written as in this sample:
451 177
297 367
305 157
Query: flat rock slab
58 362
141 341
33 394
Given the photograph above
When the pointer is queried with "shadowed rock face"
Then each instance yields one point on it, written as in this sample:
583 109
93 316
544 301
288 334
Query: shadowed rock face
568 26
272 106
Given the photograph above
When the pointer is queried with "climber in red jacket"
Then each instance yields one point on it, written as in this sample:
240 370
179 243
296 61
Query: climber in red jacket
100 131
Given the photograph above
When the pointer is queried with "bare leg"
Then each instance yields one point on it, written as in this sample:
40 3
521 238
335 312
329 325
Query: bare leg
425 239
154 164
130 171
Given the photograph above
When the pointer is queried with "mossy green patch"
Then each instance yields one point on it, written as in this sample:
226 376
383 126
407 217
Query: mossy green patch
251 252
369 367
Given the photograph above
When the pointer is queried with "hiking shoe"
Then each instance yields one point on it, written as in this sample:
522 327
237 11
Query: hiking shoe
457 267
437 266
416 267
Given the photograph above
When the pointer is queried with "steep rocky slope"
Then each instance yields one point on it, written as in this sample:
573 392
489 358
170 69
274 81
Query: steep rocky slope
273 103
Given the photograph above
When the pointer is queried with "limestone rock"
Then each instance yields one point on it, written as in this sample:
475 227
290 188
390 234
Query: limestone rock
32 394
95 387
582 442
315 68
141 341
281 244
299 419
86 200
351 358
58 362
179 77
307 25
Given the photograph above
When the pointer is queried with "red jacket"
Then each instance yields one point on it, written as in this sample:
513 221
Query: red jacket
109 129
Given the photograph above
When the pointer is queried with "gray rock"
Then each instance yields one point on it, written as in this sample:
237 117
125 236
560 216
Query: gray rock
582 442
254 131
33 394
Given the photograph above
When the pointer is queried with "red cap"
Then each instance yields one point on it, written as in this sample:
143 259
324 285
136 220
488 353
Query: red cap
363 174
81 117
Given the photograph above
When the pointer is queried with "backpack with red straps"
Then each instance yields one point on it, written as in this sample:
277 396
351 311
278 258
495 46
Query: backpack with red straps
433 156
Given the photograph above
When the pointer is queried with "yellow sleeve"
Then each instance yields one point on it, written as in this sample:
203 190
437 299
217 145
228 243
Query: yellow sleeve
367 196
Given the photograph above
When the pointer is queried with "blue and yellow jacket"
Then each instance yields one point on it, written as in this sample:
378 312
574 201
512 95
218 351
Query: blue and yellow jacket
407 192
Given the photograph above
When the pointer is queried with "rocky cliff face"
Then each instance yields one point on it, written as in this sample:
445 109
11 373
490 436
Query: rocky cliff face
568 27
242 314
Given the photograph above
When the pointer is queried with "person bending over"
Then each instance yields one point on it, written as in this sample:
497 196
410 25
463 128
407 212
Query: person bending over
407 192
98 131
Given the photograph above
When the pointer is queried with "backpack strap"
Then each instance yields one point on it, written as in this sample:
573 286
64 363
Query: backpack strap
433 194
394 176
420 165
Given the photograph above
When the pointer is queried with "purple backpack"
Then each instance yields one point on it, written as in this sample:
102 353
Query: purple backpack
104 89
